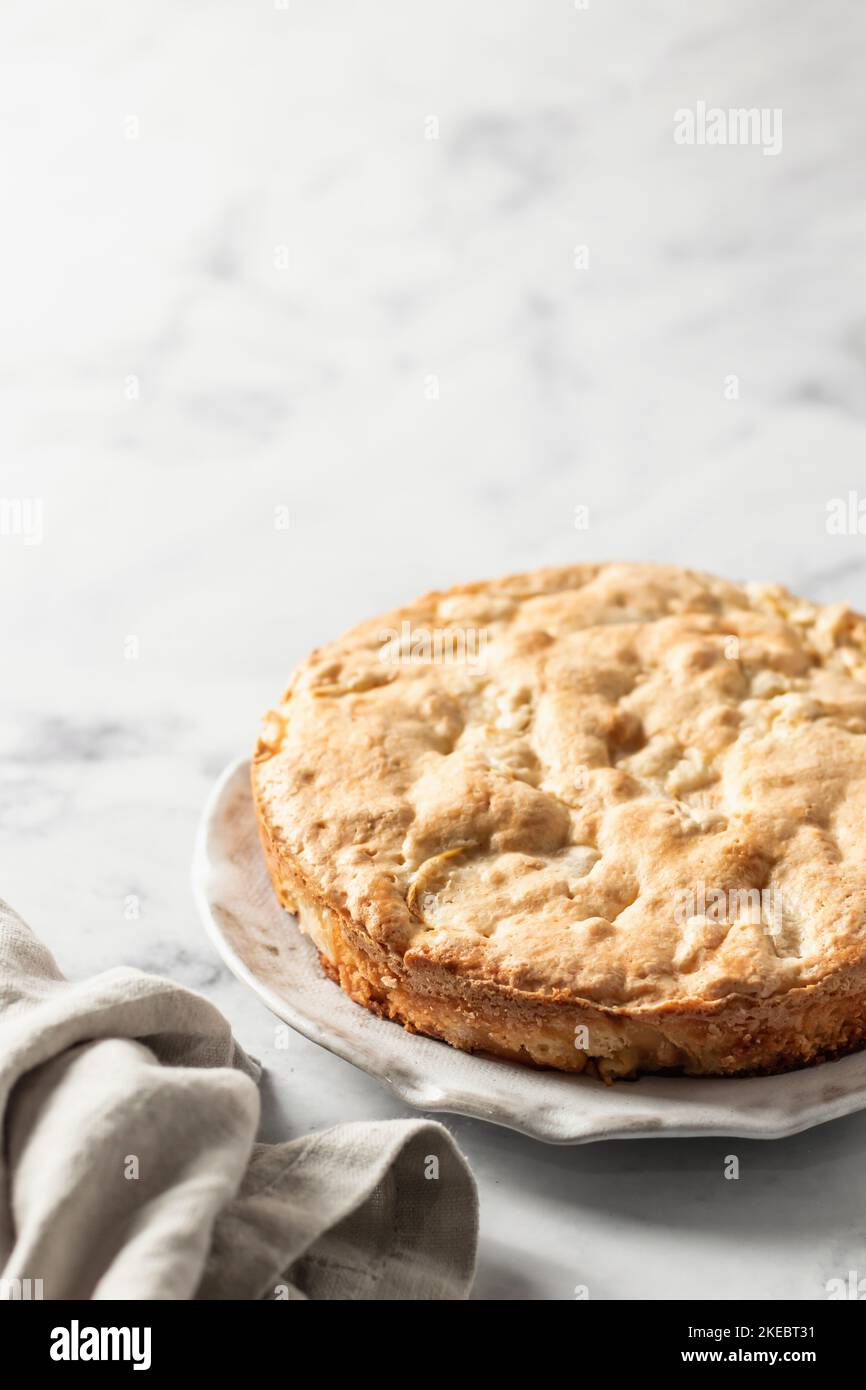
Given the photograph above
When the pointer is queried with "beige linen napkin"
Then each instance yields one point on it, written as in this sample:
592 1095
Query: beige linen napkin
128 1167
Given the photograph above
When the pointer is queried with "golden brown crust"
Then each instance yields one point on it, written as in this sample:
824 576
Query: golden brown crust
618 805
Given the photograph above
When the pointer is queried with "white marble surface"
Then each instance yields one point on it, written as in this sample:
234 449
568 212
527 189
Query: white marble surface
282 261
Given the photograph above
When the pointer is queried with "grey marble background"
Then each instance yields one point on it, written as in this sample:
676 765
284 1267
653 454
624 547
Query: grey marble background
241 283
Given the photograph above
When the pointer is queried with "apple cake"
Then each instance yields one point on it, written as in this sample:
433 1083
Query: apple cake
603 818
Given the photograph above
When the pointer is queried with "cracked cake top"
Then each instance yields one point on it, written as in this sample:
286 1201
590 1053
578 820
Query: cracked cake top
587 783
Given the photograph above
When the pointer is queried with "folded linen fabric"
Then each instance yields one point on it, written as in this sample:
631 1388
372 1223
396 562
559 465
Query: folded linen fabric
129 1167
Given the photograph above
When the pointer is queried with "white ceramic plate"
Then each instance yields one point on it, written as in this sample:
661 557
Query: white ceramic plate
262 945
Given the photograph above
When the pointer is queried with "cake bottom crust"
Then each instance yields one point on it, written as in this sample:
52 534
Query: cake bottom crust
737 1036
564 1038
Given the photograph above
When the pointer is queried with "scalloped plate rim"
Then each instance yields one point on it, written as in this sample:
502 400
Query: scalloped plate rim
776 1116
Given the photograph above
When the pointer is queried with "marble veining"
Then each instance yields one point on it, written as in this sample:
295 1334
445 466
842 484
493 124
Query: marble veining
308 309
